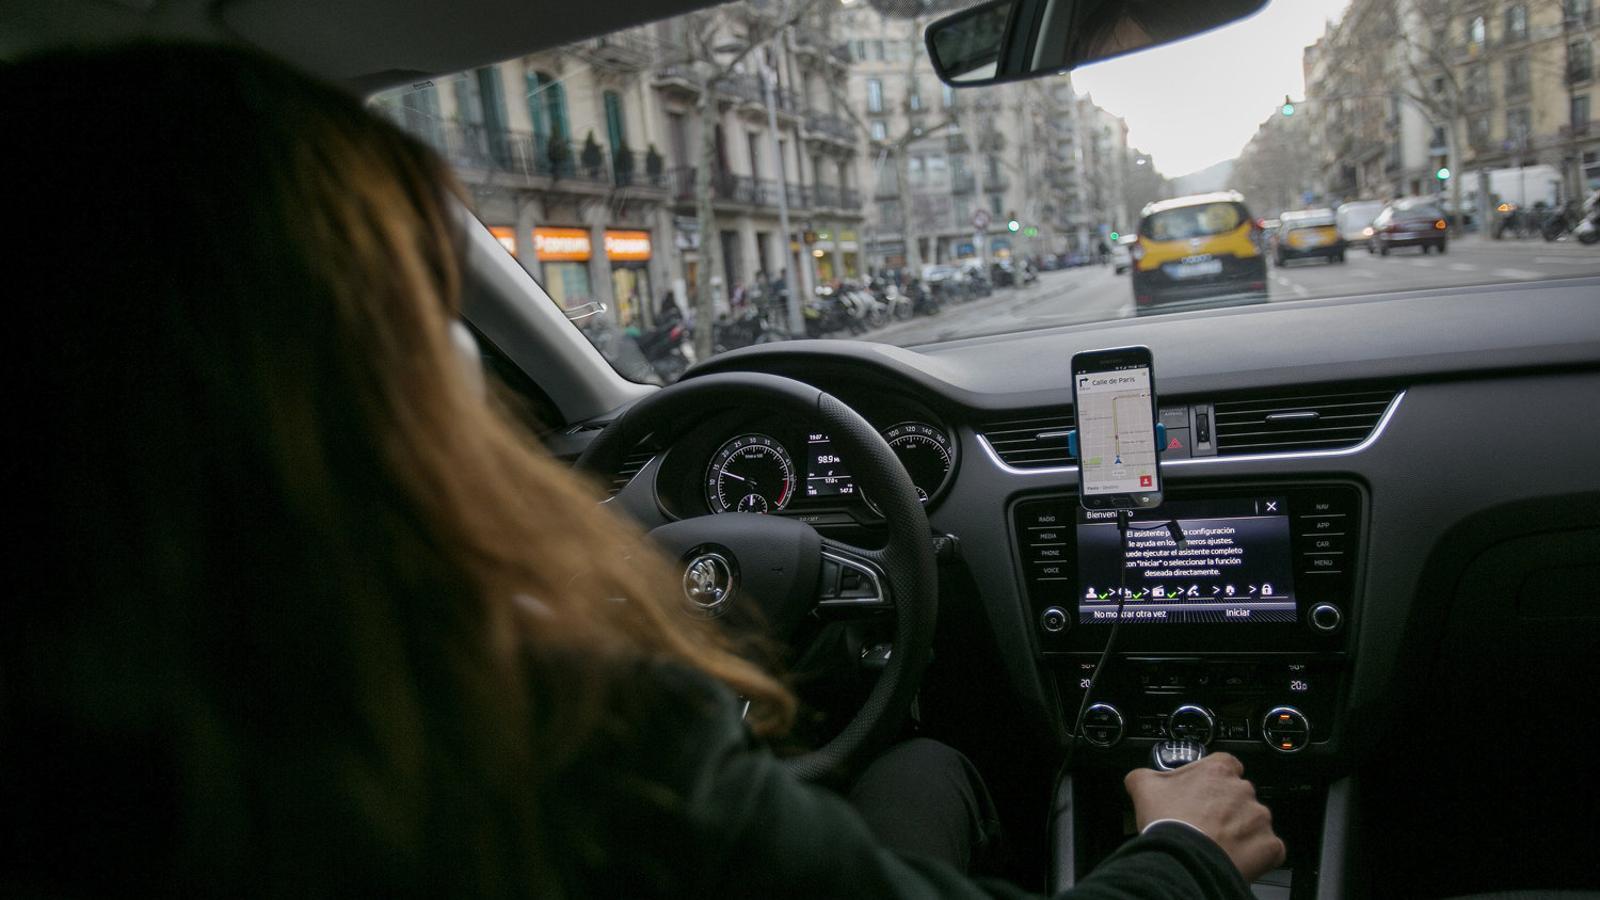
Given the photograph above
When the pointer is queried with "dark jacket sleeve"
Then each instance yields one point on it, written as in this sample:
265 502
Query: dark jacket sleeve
752 829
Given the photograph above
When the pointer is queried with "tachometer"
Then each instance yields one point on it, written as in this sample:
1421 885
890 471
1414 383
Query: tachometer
751 473
926 453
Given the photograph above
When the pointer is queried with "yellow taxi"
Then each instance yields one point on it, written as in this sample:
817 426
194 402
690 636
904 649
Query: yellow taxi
1309 232
1198 248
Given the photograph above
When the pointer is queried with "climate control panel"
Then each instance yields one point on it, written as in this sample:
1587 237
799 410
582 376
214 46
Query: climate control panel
1281 702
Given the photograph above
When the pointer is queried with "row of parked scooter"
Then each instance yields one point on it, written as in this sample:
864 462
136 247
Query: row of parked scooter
665 350
856 308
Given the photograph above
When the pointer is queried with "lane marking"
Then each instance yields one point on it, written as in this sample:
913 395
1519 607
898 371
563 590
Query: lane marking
1463 267
1517 273
1425 263
1361 273
1567 260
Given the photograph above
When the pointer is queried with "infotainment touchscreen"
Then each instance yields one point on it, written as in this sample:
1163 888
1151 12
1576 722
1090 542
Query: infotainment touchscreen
1236 564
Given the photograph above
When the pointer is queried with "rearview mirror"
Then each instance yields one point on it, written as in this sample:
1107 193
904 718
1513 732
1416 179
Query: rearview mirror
1007 40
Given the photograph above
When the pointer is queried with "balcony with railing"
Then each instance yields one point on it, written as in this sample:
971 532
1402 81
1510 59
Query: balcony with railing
623 51
475 149
1579 71
830 127
741 189
963 183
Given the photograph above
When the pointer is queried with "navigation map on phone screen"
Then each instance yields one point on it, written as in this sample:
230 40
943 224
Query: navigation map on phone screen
1116 431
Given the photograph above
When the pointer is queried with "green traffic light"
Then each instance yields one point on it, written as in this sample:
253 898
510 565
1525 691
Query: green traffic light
1114 235
1013 225
1288 109
1443 174
1031 231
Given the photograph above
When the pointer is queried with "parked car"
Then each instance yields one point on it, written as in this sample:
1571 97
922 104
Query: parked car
1412 222
1310 232
1200 247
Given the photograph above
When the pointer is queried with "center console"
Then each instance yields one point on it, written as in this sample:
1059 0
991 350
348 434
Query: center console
1235 607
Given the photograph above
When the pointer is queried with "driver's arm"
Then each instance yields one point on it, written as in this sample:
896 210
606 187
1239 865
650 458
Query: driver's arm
732 821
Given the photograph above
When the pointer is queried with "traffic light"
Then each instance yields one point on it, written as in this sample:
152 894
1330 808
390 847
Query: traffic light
1013 226
1114 235
1030 231
1288 106
1443 174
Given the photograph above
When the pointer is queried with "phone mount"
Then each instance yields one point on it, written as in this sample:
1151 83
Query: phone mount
1161 440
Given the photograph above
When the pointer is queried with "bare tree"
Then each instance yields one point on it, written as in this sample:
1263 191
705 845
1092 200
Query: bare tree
716 43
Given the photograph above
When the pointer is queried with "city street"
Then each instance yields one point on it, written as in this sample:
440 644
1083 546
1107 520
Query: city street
1094 293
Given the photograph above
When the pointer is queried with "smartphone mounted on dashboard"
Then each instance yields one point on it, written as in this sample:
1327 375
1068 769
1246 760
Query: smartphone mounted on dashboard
1117 441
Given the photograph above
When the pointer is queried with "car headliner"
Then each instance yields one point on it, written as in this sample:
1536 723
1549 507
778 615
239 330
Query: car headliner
367 44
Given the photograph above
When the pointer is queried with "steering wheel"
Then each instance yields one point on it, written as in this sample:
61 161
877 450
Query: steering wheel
782 566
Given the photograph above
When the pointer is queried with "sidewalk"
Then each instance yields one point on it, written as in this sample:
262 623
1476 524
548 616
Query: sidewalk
1567 245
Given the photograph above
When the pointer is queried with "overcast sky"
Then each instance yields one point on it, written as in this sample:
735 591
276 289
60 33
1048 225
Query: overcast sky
1198 102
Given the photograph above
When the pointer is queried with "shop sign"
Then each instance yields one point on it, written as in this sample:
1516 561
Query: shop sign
561 244
628 246
506 236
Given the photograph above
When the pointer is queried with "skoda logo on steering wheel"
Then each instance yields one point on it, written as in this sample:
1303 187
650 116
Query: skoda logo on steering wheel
708 582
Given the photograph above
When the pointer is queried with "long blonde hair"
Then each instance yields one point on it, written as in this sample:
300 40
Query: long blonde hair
326 603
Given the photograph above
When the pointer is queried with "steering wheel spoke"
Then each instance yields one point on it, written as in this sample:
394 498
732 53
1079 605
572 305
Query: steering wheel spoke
852 580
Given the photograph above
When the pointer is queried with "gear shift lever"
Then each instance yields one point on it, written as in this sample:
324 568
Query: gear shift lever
1168 755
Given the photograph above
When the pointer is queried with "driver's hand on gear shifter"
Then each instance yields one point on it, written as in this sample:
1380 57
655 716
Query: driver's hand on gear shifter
1211 795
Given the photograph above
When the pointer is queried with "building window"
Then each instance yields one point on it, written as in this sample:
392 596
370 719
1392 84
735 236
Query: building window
1517 76
547 107
1439 142
1476 31
880 131
917 169
1516 22
1518 127
997 204
874 95
1478 131
877 50
858 50
949 96
914 99
753 142
1580 61
1477 86
616 130
1579 10
1580 113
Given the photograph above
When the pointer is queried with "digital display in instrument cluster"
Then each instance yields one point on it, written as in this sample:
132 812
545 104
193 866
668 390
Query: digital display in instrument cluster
826 473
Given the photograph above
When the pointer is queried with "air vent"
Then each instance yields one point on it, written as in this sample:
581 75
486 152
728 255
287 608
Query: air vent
1032 442
1310 419
631 464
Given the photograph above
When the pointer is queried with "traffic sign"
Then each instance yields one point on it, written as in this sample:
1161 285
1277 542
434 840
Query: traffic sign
980 219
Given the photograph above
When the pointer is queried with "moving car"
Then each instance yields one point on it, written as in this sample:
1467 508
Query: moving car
1413 222
1121 258
1310 232
1203 247
1411 472
1355 217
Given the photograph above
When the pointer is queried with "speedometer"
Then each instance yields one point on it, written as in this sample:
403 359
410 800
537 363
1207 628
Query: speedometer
751 473
926 453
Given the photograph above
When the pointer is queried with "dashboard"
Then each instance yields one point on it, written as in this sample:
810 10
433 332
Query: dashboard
1326 457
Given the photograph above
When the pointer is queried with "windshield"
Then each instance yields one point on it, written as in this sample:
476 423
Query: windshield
767 172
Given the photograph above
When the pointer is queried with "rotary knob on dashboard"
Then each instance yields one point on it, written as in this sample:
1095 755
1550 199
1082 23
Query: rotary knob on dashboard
1286 729
1192 723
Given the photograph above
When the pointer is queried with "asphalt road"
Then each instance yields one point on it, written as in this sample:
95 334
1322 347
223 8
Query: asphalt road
1095 293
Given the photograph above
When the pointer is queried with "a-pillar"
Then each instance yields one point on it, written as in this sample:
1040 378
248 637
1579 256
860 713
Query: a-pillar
594 216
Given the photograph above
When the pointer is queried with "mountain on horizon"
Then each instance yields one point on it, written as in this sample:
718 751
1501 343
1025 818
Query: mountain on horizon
1218 177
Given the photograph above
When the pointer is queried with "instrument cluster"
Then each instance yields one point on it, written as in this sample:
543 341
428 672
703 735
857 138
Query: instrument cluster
768 464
